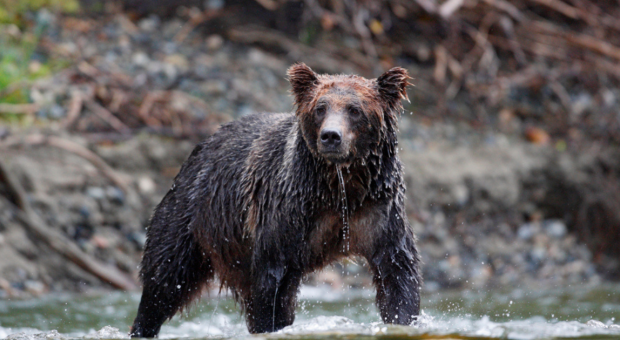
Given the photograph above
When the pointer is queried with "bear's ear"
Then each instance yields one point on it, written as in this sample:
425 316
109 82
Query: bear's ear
302 80
393 84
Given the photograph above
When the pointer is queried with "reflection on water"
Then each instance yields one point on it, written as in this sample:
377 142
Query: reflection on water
570 312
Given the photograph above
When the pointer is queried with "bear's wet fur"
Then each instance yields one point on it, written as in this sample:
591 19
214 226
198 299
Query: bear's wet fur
259 205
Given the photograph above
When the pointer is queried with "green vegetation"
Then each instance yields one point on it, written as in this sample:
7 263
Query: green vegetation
14 11
21 24
16 66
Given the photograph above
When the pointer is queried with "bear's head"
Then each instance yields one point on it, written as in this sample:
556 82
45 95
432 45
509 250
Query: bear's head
345 117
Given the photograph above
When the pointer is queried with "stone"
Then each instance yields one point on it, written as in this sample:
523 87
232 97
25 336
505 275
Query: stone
555 228
34 287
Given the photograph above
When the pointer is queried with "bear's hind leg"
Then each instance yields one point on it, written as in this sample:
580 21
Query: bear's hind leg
171 279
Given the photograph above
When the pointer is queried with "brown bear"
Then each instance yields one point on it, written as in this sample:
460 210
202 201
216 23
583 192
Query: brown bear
260 204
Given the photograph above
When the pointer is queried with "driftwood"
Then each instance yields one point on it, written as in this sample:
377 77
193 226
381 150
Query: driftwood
104 101
312 56
56 240
74 109
74 148
107 116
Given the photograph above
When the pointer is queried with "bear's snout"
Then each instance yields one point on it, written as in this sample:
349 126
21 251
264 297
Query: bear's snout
334 137
331 138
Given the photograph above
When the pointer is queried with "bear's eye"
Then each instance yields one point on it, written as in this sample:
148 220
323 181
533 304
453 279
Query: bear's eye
320 111
355 112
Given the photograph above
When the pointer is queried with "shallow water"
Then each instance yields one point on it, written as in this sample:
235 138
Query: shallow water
567 313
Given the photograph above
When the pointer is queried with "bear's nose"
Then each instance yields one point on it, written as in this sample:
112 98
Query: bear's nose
331 137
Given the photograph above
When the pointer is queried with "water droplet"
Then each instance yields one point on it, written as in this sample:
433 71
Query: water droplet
345 208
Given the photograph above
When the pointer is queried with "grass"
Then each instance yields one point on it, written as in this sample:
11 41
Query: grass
22 22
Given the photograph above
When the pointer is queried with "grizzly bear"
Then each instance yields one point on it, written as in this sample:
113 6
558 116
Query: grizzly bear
270 198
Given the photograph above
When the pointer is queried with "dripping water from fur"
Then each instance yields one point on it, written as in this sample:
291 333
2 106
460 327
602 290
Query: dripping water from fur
273 317
345 211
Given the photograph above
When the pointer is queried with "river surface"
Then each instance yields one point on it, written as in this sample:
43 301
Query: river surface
561 313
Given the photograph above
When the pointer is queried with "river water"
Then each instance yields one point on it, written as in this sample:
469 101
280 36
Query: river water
563 313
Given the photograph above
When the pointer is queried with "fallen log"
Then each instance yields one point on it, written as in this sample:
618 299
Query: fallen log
56 240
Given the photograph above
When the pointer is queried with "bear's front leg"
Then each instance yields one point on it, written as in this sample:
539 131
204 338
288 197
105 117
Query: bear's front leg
395 266
271 306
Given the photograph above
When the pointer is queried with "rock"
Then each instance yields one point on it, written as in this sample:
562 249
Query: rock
538 254
139 238
214 42
555 228
100 242
95 192
480 275
609 97
115 195
45 17
330 277
527 231
56 112
178 60
149 24
146 185
581 103
140 59
34 287
214 4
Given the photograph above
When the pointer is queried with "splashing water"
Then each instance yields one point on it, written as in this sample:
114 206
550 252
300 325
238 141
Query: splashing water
571 312
345 211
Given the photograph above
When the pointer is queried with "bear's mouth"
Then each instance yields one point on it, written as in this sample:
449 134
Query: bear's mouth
337 157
